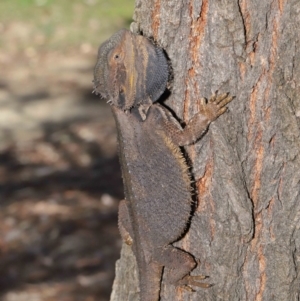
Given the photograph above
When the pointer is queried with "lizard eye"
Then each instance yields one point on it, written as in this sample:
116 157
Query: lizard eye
117 56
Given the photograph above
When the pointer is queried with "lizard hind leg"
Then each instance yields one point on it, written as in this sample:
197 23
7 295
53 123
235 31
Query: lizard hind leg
178 264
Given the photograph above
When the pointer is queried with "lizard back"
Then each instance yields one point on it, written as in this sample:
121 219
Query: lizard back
154 175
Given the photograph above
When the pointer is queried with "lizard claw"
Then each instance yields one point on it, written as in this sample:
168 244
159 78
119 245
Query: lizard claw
188 288
189 280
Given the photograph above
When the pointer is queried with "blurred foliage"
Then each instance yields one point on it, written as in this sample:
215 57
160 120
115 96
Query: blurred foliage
59 25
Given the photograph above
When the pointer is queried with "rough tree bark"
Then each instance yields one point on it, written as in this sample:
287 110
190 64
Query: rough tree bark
246 228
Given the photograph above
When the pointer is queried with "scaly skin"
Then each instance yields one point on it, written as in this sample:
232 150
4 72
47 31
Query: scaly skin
132 73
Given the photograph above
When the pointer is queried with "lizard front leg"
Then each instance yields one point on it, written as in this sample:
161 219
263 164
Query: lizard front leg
196 127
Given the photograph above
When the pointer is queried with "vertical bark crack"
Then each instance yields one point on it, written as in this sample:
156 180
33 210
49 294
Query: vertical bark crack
156 18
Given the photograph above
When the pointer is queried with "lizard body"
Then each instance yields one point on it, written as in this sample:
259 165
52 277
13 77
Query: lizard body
132 73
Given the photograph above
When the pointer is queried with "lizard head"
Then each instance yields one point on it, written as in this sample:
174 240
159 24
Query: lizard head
130 71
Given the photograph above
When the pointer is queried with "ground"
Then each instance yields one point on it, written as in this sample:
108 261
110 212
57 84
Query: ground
60 181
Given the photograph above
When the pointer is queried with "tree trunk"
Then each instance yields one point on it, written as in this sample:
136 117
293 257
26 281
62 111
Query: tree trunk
246 228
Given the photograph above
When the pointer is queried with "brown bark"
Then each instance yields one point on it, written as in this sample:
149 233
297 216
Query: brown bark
246 228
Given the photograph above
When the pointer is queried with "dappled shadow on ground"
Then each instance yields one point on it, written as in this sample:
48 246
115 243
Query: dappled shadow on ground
76 164
60 184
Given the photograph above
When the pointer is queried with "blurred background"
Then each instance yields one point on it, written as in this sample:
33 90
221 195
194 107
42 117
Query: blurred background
60 182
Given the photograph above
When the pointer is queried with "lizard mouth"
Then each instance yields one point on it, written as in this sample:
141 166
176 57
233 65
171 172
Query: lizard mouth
118 102
122 101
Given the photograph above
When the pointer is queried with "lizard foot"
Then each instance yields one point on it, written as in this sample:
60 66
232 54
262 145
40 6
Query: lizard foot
215 106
